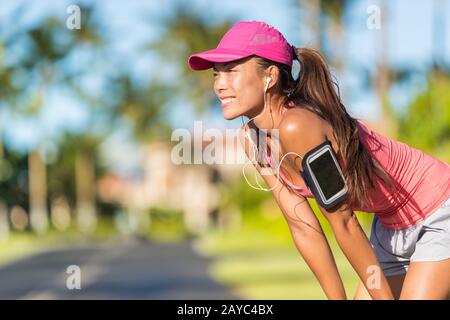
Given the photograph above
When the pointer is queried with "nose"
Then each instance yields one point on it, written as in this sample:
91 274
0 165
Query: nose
220 83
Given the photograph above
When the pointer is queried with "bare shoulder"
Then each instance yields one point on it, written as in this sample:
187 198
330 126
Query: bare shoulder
301 124
301 130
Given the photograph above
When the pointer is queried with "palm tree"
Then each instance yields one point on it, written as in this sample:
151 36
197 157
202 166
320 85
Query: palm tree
439 32
388 125
4 225
38 192
43 63
334 10
5 82
312 13
87 143
85 184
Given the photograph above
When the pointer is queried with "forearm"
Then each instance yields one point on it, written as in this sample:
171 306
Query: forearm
311 242
314 248
356 247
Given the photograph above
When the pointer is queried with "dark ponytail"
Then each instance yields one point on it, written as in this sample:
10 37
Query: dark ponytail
315 90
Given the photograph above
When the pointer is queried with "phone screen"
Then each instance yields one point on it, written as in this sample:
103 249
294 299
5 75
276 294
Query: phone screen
327 175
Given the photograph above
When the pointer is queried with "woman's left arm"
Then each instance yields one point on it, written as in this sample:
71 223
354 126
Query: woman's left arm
300 131
356 247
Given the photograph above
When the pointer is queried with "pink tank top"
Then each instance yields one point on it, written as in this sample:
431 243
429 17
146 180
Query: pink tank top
421 183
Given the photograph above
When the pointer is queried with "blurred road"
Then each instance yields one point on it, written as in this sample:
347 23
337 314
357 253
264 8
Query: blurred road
115 270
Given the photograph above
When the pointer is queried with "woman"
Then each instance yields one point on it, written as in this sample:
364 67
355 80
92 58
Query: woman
408 190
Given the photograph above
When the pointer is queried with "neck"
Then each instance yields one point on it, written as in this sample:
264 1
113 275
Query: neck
270 120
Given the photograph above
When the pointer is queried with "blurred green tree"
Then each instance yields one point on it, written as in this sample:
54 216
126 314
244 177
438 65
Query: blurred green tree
145 107
425 123
185 33
48 47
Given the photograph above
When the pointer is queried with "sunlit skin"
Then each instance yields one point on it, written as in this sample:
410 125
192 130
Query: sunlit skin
244 80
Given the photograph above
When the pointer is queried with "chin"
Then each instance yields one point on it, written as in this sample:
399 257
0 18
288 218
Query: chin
230 115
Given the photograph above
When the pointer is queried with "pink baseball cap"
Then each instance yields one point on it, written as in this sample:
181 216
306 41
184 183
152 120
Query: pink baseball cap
244 39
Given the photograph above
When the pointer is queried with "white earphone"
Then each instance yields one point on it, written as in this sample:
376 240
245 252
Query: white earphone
268 80
254 149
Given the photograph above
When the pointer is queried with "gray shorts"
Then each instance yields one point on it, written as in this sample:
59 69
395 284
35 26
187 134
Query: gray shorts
427 240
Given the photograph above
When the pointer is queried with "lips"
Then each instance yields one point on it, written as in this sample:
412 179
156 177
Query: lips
227 100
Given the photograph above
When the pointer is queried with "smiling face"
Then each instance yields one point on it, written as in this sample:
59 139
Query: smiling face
240 86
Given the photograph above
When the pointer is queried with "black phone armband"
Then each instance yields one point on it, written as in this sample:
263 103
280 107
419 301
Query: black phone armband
323 175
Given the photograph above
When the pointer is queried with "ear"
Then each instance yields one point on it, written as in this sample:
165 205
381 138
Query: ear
274 73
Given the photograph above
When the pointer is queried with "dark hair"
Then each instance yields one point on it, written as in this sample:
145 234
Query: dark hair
315 90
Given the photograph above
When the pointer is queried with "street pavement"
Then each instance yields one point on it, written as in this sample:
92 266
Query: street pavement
132 269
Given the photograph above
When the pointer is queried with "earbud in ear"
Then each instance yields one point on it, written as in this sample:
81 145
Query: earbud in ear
268 79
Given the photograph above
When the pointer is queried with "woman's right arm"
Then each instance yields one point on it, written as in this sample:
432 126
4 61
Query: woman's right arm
306 232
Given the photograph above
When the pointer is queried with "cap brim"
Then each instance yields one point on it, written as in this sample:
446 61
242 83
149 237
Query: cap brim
206 59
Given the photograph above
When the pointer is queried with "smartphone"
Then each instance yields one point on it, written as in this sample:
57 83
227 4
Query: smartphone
323 175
